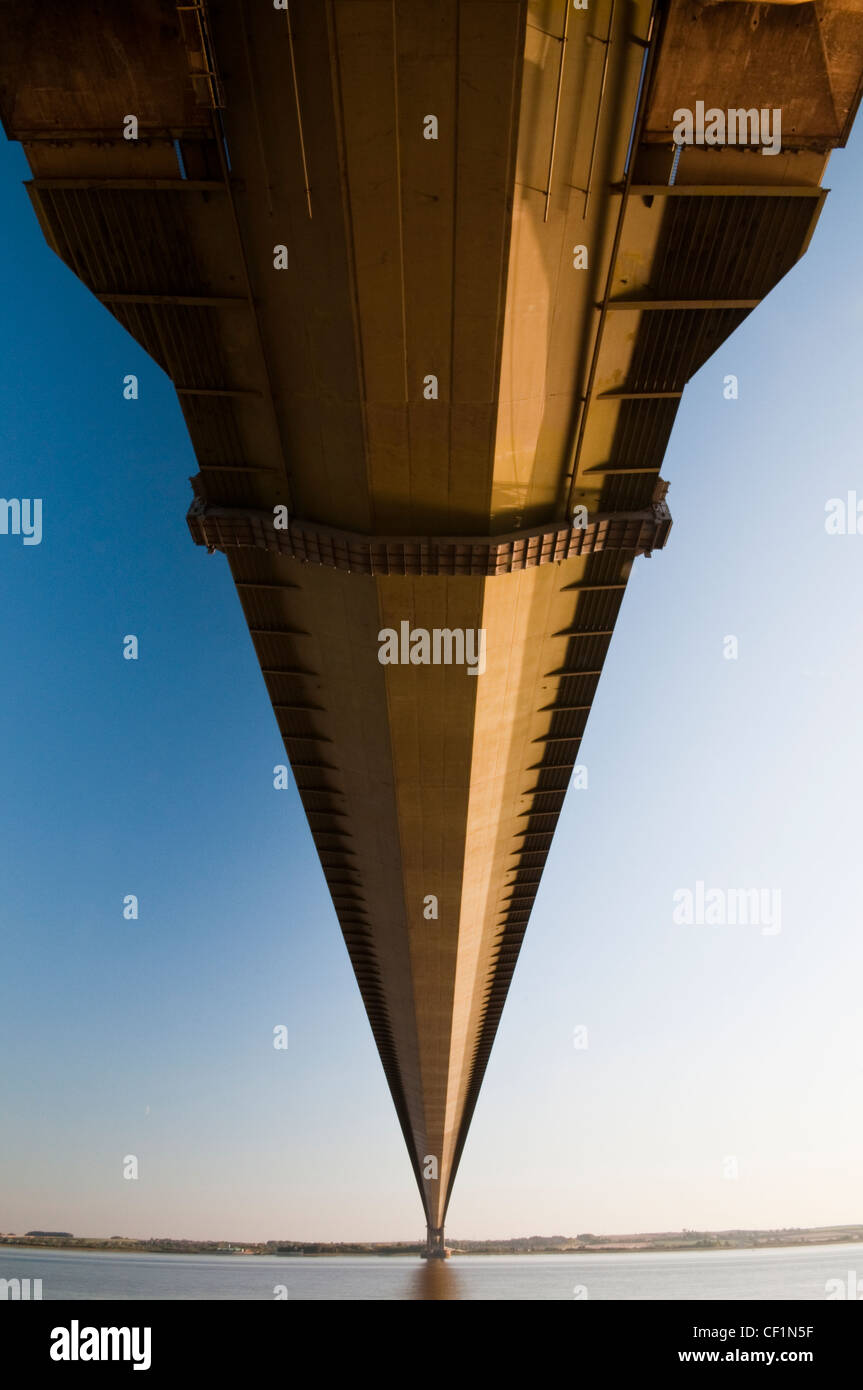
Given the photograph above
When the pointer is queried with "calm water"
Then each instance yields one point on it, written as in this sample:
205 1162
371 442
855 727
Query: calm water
738 1274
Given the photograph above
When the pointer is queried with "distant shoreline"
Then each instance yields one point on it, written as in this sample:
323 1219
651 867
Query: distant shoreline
647 1244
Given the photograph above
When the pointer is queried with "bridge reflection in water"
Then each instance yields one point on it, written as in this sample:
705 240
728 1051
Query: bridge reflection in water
436 1280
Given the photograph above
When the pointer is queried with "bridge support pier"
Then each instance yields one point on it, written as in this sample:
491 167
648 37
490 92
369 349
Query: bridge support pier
435 1248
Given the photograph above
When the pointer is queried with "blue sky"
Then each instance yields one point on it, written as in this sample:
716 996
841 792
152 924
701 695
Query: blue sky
154 777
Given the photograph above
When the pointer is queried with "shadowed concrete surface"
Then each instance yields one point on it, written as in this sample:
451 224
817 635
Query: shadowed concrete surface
429 277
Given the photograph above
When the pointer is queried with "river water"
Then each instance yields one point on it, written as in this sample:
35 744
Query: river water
797 1272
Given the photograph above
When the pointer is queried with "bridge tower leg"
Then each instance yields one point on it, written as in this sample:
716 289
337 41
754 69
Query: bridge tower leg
435 1248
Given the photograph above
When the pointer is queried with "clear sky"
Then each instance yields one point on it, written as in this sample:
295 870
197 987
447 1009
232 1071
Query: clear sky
154 1037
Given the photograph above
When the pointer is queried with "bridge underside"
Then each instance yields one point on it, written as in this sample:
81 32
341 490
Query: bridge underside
484 323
